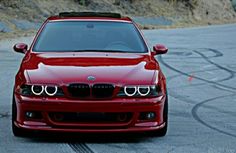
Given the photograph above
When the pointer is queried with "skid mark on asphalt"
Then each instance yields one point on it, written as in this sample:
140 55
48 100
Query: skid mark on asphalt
160 58
201 104
80 148
196 116
131 147
189 74
214 83
197 84
5 115
213 63
232 67
187 53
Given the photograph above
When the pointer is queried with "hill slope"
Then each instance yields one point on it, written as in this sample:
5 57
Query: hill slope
18 15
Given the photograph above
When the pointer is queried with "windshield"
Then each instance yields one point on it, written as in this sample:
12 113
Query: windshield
99 36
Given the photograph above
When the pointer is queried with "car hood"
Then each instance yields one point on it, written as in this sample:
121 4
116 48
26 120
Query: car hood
66 68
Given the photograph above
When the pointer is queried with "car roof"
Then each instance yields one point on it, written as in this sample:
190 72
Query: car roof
89 16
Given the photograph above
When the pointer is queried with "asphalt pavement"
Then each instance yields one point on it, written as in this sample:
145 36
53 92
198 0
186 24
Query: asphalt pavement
200 68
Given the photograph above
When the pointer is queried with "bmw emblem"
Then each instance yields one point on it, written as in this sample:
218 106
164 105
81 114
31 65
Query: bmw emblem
91 78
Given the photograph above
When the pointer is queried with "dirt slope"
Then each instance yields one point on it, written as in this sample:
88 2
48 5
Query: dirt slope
37 9
15 13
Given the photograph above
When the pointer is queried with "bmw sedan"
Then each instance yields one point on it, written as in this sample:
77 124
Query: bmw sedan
89 72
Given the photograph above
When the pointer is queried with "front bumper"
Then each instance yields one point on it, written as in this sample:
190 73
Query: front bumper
119 105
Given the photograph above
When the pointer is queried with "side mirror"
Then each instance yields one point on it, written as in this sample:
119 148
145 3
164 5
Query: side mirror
159 49
20 48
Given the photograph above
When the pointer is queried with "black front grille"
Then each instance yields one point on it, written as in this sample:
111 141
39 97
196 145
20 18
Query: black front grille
102 90
79 90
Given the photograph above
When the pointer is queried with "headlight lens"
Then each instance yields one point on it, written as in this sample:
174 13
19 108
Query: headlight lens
143 90
40 90
25 90
138 91
37 89
51 90
130 91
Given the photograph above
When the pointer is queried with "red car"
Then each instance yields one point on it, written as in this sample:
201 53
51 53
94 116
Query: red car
89 72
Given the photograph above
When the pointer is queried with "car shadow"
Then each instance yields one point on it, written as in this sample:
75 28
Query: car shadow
42 137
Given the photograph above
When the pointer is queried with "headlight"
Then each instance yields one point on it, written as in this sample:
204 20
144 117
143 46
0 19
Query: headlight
51 90
40 90
138 91
130 91
143 90
25 90
37 89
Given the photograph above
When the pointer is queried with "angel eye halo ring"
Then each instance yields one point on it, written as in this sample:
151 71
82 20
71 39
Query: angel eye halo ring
51 90
37 89
130 90
139 91
143 90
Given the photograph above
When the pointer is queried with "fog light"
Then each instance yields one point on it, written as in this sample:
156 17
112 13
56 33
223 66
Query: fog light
147 116
150 115
33 115
30 114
